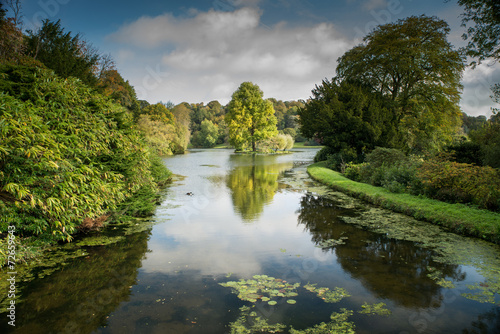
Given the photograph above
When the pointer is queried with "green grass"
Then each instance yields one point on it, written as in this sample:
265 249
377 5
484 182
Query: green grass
301 145
457 218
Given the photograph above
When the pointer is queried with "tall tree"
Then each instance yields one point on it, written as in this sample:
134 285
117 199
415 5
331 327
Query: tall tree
250 118
484 35
67 55
345 116
412 62
11 38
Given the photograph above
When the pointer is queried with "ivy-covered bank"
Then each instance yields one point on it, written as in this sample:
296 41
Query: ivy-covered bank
70 160
457 218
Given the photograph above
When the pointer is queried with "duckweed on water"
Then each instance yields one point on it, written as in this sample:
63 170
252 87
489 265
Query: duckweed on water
375 309
329 296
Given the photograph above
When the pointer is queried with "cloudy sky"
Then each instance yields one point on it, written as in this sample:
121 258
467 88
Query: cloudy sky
199 51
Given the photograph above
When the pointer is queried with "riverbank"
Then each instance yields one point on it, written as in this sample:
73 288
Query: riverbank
457 218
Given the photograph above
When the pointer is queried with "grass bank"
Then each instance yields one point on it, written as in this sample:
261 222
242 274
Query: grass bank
457 218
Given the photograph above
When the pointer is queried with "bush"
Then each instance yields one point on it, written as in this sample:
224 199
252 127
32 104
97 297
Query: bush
460 182
323 154
67 155
356 172
466 152
385 156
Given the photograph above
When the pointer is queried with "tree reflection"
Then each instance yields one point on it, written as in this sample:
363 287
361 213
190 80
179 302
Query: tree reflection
392 269
78 298
253 183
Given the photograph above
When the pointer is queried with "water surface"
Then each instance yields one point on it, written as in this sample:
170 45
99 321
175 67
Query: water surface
228 217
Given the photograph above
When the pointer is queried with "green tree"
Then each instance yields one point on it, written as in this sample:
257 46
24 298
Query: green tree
250 118
158 112
207 136
343 115
11 38
484 35
67 55
412 62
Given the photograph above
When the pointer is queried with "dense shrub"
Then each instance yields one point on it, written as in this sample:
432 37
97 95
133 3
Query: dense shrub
67 155
466 152
460 182
388 168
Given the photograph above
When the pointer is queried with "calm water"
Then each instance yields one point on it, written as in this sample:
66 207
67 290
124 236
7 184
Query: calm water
262 215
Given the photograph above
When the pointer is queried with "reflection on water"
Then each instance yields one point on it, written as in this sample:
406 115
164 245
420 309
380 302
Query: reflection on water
253 182
261 215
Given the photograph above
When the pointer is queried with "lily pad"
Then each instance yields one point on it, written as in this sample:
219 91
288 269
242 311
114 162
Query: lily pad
291 301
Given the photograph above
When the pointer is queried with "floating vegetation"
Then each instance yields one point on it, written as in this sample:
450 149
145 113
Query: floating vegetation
375 309
331 242
248 322
99 240
208 165
329 296
262 287
339 324
487 291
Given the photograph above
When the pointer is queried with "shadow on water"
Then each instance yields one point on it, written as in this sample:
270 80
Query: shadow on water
78 298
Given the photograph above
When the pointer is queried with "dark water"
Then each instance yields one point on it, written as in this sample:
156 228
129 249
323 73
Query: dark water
262 215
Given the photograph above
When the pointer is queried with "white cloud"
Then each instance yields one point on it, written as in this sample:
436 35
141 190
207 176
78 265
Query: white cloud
374 4
209 54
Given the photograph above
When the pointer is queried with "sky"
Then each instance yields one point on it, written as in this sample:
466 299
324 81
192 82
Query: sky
200 51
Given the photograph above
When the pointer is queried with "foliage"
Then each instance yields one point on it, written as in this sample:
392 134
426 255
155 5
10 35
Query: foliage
484 35
488 138
112 84
67 154
250 118
466 152
460 182
67 55
280 142
343 115
11 39
455 217
158 135
411 62
207 136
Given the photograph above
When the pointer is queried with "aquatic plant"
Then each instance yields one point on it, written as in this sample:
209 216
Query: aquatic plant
331 242
248 322
375 309
339 324
262 287
329 296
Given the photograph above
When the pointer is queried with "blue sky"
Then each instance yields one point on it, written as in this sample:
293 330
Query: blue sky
199 51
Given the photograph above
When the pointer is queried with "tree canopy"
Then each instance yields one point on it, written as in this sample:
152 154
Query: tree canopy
484 35
67 55
412 62
250 118
343 115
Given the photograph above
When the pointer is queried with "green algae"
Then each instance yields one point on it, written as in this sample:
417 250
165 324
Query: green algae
329 243
338 324
99 240
375 309
328 296
249 322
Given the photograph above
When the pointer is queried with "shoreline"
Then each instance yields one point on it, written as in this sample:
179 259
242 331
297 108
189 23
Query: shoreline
456 218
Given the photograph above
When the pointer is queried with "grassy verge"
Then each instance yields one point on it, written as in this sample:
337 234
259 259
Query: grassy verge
301 145
457 218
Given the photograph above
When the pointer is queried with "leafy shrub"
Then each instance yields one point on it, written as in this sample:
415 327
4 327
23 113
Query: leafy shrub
460 182
466 152
385 156
323 154
66 154
356 172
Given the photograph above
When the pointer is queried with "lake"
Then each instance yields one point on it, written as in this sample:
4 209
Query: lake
249 243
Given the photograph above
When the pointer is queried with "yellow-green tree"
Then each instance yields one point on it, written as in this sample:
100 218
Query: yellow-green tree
250 118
